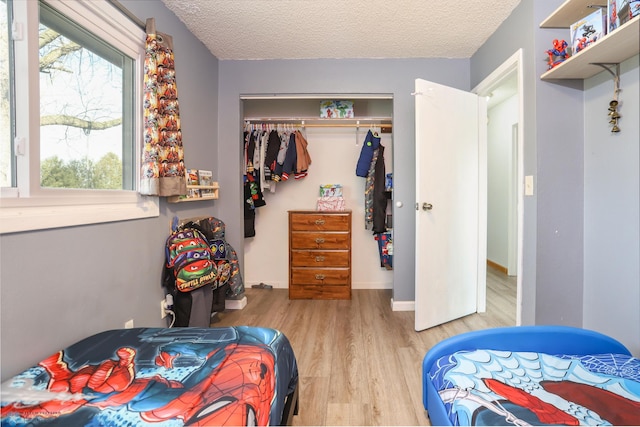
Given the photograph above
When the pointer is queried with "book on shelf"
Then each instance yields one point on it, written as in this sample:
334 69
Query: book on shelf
192 177
206 179
621 11
588 30
194 193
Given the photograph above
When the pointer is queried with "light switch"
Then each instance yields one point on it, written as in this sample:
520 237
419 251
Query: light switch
528 185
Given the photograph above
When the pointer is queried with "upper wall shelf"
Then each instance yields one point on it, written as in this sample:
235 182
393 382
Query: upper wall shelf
614 48
569 12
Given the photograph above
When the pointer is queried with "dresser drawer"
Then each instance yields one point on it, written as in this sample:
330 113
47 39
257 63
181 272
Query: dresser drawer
319 292
317 276
320 240
302 258
319 222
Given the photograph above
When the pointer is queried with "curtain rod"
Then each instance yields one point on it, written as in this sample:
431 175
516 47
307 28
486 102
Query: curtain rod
128 14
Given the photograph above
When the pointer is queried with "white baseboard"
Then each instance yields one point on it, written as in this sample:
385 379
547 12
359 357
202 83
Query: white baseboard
371 285
235 304
403 305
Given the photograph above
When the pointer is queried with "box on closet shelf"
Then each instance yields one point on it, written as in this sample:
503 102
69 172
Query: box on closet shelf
336 109
327 190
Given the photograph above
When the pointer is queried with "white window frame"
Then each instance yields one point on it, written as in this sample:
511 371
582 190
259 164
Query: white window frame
28 206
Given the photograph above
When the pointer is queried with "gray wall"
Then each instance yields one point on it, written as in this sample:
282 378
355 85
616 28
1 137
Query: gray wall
612 208
394 77
58 286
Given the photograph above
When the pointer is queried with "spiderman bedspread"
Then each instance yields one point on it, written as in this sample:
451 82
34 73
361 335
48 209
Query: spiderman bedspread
486 387
160 377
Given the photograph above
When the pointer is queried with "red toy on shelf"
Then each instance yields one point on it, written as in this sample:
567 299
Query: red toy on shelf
558 54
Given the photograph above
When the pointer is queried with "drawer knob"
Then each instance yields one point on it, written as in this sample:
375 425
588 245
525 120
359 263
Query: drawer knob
319 240
319 258
319 221
319 276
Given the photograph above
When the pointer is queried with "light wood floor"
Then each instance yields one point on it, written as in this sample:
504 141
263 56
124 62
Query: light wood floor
360 363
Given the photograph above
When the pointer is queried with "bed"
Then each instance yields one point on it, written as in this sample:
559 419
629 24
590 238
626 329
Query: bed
160 376
531 375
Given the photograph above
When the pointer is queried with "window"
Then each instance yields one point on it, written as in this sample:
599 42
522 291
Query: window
85 92
71 155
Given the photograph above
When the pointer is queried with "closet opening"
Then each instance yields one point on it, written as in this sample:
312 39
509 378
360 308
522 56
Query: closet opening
334 146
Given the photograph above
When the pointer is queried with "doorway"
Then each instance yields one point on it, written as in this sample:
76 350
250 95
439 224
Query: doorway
503 89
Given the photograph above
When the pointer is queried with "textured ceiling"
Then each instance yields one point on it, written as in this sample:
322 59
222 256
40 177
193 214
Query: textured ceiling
297 29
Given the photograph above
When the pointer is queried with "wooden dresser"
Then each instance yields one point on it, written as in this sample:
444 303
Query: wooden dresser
319 255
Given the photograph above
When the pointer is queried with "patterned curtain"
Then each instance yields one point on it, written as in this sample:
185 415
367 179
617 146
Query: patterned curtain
162 169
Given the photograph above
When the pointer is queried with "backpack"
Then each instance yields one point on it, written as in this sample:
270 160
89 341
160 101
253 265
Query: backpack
223 254
190 258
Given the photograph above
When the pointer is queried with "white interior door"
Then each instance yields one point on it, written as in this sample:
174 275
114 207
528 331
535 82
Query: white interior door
450 223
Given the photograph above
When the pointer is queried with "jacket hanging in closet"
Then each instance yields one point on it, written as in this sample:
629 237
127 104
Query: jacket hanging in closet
370 144
375 198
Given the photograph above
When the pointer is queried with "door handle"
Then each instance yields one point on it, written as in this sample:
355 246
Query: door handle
427 206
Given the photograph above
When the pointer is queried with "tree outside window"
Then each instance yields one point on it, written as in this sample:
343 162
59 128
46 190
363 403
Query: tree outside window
83 83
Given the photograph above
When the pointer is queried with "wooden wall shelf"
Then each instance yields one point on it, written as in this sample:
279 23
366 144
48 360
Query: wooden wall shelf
211 196
614 48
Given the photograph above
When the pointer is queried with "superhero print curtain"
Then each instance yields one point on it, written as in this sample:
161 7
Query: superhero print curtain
162 169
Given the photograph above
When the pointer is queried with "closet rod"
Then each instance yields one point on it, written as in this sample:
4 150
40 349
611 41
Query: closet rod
326 125
302 123
347 125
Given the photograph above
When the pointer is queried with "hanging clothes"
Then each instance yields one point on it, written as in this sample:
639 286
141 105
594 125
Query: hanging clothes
370 144
270 156
249 211
371 165
379 194
273 148
162 168
303 160
369 191
290 158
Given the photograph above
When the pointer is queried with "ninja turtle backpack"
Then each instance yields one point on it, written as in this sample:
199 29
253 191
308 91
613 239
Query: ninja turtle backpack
190 259
189 275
